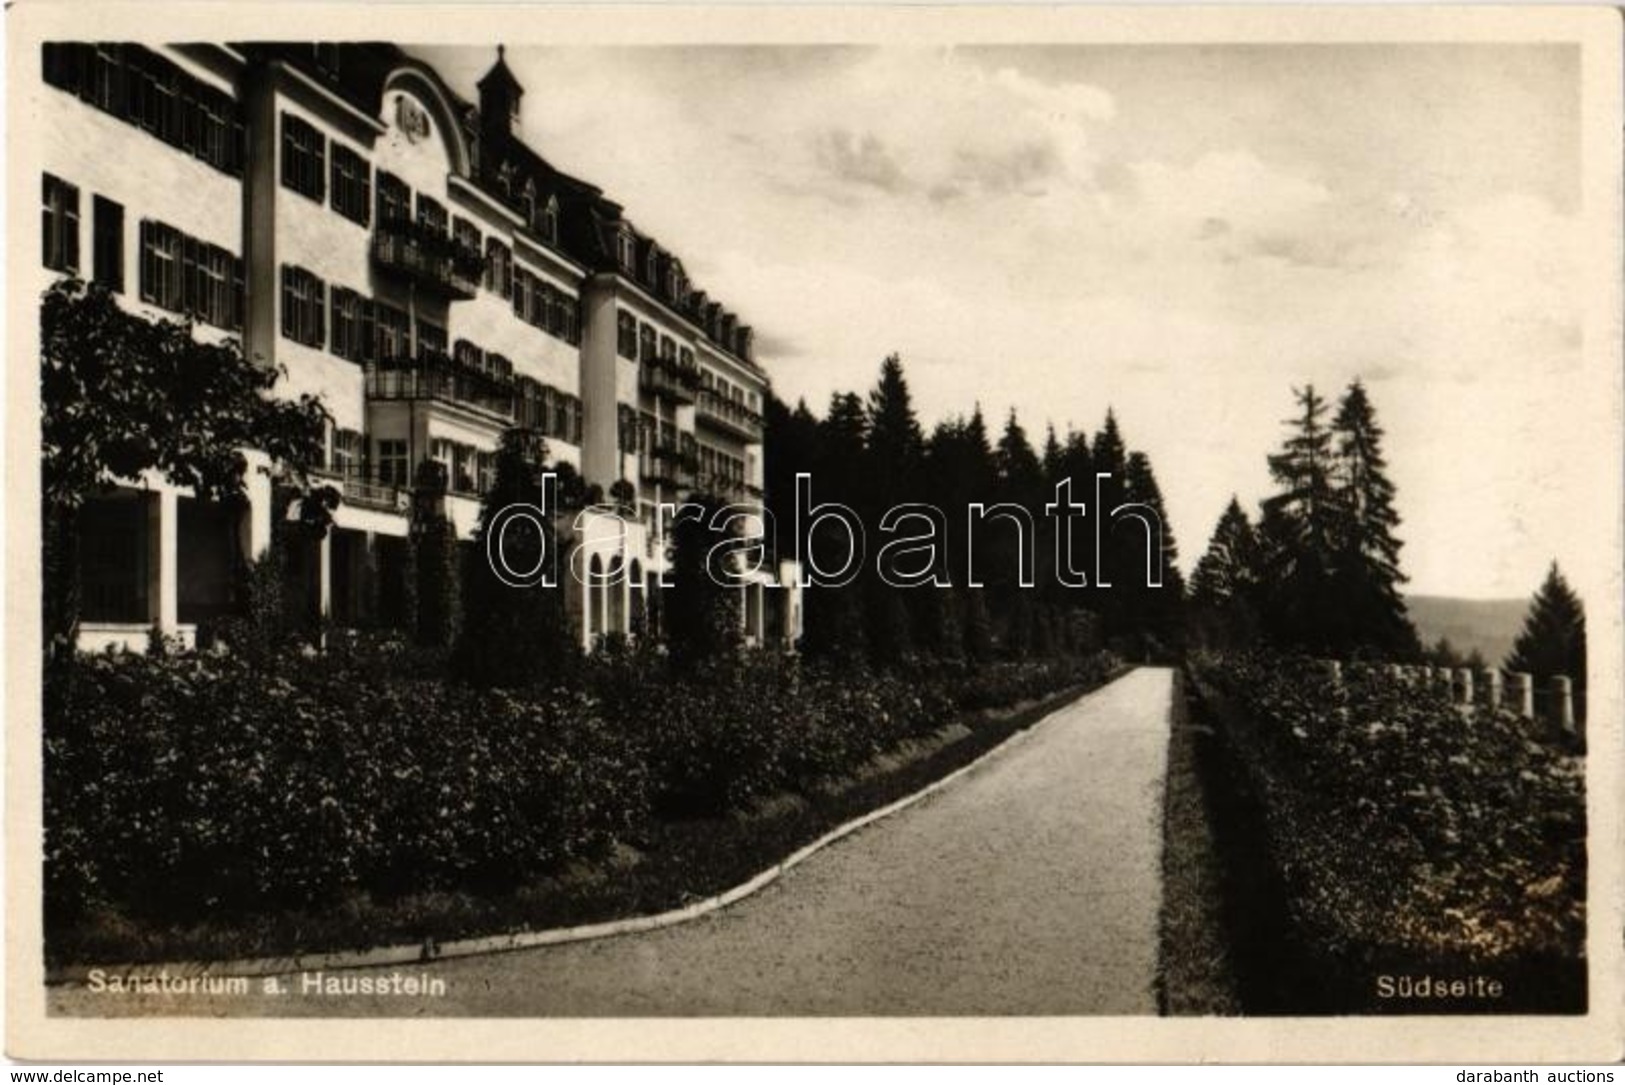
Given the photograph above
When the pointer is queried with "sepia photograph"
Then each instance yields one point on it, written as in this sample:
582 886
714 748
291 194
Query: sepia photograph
975 518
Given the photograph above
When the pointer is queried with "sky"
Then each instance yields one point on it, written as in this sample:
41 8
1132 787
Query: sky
1184 233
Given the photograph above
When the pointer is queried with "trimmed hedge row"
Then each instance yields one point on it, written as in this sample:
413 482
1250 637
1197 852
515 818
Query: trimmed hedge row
199 784
1405 836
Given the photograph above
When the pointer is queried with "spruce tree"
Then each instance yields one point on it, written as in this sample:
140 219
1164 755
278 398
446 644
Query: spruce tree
703 614
514 636
1367 552
1156 610
1298 534
895 448
1224 585
1226 569
1553 639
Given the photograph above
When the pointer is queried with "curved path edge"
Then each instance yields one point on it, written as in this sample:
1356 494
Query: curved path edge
428 951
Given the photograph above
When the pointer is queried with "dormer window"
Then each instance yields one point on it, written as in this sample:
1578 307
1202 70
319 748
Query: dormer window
549 225
651 266
627 250
527 203
676 282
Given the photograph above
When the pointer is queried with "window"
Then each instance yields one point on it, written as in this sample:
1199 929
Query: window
431 338
107 243
354 333
304 301
394 332
646 343
486 462
304 155
627 250
570 314
209 276
549 310
115 557
352 185
392 464
431 214
394 199
144 89
549 226
61 225
527 202
498 268
626 428
466 235
668 348
347 453
468 355
651 267
626 335
161 265
523 284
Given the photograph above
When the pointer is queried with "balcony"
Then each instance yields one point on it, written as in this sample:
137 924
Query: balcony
363 492
428 257
668 467
432 375
725 414
669 379
726 487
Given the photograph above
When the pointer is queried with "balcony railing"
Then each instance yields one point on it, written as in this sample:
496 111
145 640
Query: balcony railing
669 378
369 493
436 376
727 487
428 257
668 467
722 412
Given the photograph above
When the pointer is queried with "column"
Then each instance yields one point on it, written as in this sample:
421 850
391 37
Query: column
1523 693
1563 694
1466 678
165 585
1492 688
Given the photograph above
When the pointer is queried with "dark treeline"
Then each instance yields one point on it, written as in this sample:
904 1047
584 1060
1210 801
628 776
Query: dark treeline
872 455
1318 571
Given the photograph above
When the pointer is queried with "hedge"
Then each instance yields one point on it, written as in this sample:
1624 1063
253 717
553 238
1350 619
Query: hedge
200 784
1405 834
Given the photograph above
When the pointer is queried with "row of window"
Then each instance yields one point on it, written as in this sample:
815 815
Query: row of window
153 93
185 275
535 300
178 272
640 342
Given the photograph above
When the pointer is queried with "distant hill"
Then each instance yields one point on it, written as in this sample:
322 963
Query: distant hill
1490 625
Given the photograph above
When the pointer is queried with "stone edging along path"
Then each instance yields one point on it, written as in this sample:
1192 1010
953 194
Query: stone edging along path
428 951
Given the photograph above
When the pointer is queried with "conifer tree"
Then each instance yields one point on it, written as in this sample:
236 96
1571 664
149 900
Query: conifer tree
1297 533
1367 551
1553 639
1156 610
703 616
1226 569
514 636
895 448
1224 584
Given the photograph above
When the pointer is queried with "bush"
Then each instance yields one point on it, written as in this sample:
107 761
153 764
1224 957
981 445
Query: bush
198 784
180 786
1401 829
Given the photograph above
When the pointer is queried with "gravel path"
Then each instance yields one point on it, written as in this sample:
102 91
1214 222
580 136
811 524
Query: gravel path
1029 886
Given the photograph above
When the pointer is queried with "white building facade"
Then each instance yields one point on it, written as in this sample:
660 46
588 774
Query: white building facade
408 258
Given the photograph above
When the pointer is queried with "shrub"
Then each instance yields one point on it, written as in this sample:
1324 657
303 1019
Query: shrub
1402 828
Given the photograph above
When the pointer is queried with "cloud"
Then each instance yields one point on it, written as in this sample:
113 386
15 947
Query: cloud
859 160
937 125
